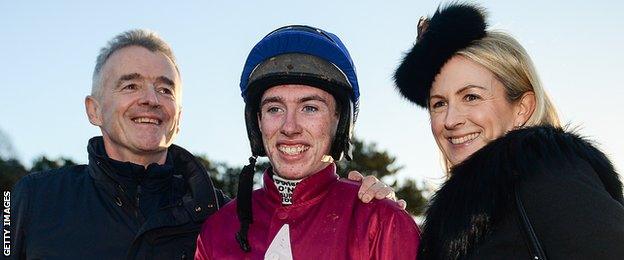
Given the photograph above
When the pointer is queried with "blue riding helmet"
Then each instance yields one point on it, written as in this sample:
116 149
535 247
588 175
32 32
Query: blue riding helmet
306 55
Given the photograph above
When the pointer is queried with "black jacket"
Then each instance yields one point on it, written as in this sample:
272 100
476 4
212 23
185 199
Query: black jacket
570 191
95 212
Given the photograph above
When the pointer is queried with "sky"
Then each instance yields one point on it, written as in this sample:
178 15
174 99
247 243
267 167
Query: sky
48 50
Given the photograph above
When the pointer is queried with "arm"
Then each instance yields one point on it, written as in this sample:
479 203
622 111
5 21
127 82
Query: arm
397 237
572 213
572 195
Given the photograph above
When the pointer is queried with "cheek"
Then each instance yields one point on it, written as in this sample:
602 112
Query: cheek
437 124
115 108
268 128
108 111
437 127
323 131
172 109
332 127
493 120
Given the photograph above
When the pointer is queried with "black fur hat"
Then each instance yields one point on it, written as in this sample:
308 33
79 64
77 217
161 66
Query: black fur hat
452 28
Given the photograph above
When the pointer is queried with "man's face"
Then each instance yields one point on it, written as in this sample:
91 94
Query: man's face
298 124
138 109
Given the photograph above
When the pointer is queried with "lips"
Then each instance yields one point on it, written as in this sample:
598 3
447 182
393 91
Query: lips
463 138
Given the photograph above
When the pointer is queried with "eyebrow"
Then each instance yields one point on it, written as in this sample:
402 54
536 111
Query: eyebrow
165 80
271 100
459 91
436 96
135 76
313 97
301 100
127 77
469 87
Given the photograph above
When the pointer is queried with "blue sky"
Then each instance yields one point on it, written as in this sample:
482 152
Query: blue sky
48 52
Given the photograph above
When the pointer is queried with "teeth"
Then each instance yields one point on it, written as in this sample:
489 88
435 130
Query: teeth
292 149
463 139
146 120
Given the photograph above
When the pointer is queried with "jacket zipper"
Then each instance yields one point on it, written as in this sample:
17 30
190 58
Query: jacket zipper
136 198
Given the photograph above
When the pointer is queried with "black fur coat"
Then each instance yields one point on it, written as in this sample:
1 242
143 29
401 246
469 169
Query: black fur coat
571 193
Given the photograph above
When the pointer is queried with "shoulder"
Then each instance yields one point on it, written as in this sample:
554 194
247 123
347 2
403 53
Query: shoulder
228 213
546 162
225 214
544 145
224 221
546 153
51 182
382 220
60 175
567 183
39 189
347 186
228 210
348 190
543 156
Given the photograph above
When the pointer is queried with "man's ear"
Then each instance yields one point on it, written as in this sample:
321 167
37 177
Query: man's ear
525 108
94 112
179 118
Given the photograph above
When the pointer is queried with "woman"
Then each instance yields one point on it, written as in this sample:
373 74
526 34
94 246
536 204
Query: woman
519 186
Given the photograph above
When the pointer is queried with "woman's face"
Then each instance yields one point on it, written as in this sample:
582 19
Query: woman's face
468 108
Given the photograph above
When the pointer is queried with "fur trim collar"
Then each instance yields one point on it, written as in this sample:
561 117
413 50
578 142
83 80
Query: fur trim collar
480 190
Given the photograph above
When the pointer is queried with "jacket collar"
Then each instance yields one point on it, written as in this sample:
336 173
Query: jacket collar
130 175
199 200
307 191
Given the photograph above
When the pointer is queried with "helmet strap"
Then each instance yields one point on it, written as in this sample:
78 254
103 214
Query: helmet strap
243 207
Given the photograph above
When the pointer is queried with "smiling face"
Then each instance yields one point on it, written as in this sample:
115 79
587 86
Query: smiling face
468 109
138 108
298 124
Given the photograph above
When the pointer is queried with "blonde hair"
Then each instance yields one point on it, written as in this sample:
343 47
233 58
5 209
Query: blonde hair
502 55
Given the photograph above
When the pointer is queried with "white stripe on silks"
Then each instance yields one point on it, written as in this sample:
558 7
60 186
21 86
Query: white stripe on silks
280 249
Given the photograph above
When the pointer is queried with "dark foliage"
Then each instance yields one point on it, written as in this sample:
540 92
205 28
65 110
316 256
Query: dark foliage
11 170
369 160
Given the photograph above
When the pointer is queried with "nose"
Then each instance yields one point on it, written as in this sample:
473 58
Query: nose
149 97
290 126
455 117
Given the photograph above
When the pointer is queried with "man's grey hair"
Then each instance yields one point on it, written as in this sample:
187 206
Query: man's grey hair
137 37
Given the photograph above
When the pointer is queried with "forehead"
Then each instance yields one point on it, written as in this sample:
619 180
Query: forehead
460 72
295 92
139 60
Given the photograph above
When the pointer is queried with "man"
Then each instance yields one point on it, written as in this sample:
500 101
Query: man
140 196
301 95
